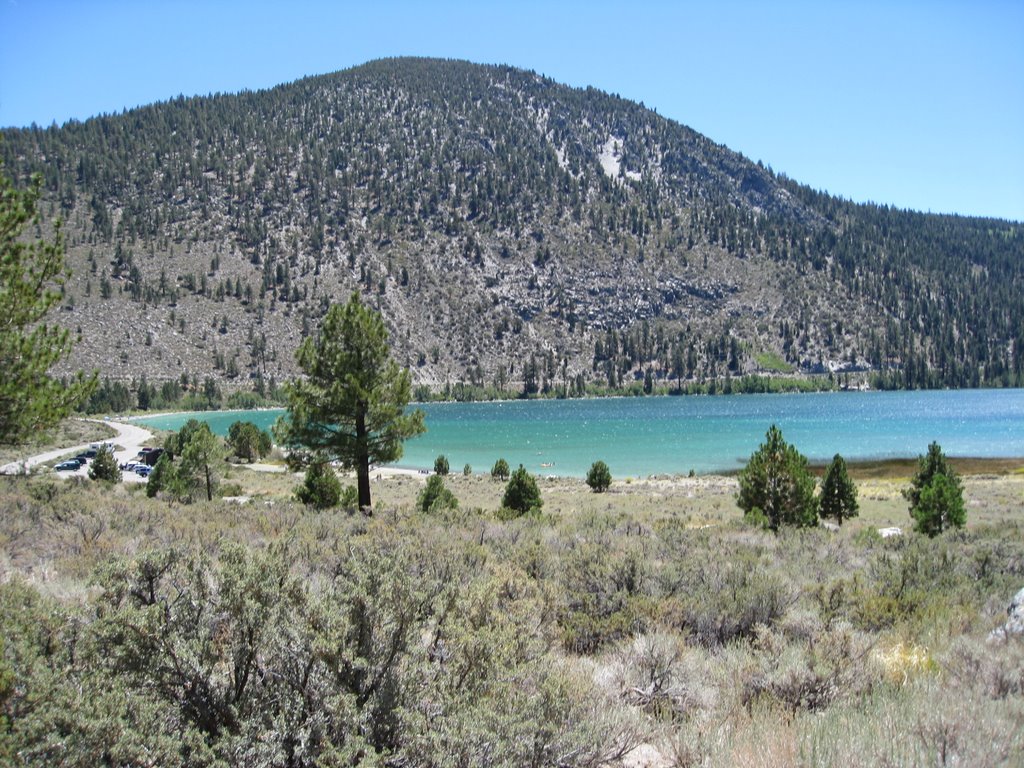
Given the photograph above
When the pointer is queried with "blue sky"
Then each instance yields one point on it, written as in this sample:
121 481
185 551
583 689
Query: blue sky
914 104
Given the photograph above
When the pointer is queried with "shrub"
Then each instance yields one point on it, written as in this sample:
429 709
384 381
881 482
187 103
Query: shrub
435 496
349 499
522 494
500 470
104 466
901 661
467 471
599 478
321 488
229 490
605 596
736 600
441 465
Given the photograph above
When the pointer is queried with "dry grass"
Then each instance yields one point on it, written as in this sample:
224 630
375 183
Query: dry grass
68 433
872 653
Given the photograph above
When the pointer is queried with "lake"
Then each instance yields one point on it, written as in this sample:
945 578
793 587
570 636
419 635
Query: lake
672 435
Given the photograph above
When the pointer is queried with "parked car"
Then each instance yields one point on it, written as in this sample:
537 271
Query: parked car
129 466
143 470
67 466
151 456
82 459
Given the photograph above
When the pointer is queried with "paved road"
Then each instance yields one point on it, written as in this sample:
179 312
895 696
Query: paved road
130 438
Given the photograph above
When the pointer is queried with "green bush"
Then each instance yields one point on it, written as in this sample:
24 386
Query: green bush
321 488
104 466
248 441
162 477
441 465
349 499
599 478
500 470
228 490
522 495
435 496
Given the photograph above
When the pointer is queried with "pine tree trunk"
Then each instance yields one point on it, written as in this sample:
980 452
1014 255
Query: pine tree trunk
362 466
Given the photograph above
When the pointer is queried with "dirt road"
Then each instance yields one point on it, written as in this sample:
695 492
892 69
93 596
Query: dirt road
129 440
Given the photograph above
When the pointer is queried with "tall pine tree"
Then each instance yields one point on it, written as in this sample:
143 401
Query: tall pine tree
32 273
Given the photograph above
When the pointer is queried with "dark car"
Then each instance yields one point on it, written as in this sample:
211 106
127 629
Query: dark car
82 459
151 456
67 466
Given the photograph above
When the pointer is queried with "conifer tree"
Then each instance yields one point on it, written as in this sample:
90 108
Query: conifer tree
838 493
522 494
104 466
935 494
599 478
321 488
32 274
776 487
500 470
350 407
200 459
435 496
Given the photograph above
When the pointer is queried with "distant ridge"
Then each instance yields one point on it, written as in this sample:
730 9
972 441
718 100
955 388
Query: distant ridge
513 231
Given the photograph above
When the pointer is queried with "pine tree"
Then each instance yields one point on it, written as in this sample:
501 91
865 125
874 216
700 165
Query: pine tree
350 406
200 459
435 496
248 441
838 493
500 470
935 494
32 274
775 487
599 478
104 466
163 476
522 494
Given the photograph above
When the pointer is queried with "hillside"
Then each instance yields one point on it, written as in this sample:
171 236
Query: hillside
513 232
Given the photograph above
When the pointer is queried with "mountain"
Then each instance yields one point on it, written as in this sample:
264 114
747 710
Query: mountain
512 231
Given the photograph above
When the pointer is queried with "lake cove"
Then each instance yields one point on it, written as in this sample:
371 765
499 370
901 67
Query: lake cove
673 435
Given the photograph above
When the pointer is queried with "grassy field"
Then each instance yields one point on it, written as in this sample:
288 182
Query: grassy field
648 625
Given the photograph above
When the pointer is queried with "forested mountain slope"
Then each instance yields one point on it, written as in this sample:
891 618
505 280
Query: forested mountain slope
513 231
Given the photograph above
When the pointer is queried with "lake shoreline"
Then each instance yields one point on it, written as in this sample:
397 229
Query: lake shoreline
666 436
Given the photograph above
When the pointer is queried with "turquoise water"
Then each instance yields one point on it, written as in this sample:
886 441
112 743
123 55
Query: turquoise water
672 435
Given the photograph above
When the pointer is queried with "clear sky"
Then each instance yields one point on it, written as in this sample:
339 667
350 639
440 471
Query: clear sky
917 104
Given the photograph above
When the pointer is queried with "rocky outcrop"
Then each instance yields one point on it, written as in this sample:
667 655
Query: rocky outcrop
1014 626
